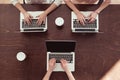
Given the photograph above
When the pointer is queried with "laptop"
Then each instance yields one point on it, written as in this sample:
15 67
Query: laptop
33 27
88 28
59 49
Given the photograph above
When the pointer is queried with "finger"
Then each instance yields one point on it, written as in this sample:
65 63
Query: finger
31 16
82 22
39 22
65 61
30 20
84 16
25 22
44 21
91 20
62 60
89 15
53 59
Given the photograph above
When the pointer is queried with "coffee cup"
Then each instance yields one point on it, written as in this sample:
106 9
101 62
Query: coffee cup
59 21
21 56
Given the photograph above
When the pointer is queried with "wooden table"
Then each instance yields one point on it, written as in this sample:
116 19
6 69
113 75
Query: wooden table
95 53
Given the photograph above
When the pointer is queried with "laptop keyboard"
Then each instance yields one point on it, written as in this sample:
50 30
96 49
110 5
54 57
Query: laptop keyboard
58 57
33 24
76 24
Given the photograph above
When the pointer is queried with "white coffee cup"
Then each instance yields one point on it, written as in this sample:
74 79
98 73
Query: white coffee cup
21 56
59 21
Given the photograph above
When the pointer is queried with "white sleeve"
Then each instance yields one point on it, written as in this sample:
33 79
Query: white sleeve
58 2
14 2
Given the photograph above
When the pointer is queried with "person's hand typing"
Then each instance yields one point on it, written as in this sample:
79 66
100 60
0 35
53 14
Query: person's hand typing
27 18
41 18
64 64
92 16
81 18
65 67
52 63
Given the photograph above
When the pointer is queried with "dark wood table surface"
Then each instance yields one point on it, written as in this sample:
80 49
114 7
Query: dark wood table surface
95 53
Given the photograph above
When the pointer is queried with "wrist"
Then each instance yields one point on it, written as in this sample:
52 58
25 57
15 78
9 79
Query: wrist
46 13
77 12
97 12
24 12
66 70
50 70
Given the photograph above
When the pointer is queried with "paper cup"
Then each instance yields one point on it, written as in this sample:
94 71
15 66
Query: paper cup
21 56
59 21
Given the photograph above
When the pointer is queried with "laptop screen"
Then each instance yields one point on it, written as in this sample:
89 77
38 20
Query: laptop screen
60 45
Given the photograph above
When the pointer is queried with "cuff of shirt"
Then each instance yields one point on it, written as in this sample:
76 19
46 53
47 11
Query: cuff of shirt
57 2
14 2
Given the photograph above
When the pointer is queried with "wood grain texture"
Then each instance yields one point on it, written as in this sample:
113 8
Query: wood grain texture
95 53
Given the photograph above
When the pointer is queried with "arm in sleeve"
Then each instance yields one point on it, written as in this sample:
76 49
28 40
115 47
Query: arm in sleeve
57 2
14 2
103 6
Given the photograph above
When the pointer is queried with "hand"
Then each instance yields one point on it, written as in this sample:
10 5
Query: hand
64 64
92 17
52 64
27 18
81 18
65 67
41 18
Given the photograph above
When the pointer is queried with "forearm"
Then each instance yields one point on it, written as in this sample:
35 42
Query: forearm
103 5
50 9
113 73
20 8
47 75
70 75
55 4
71 6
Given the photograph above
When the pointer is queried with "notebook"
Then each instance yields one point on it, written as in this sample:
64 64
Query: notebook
88 28
59 49
33 27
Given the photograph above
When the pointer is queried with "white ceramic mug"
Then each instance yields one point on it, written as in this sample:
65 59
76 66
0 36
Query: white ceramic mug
59 21
21 56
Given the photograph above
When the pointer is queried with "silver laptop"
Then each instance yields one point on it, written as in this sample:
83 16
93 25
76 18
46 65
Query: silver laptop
61 49
88 28
33 27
